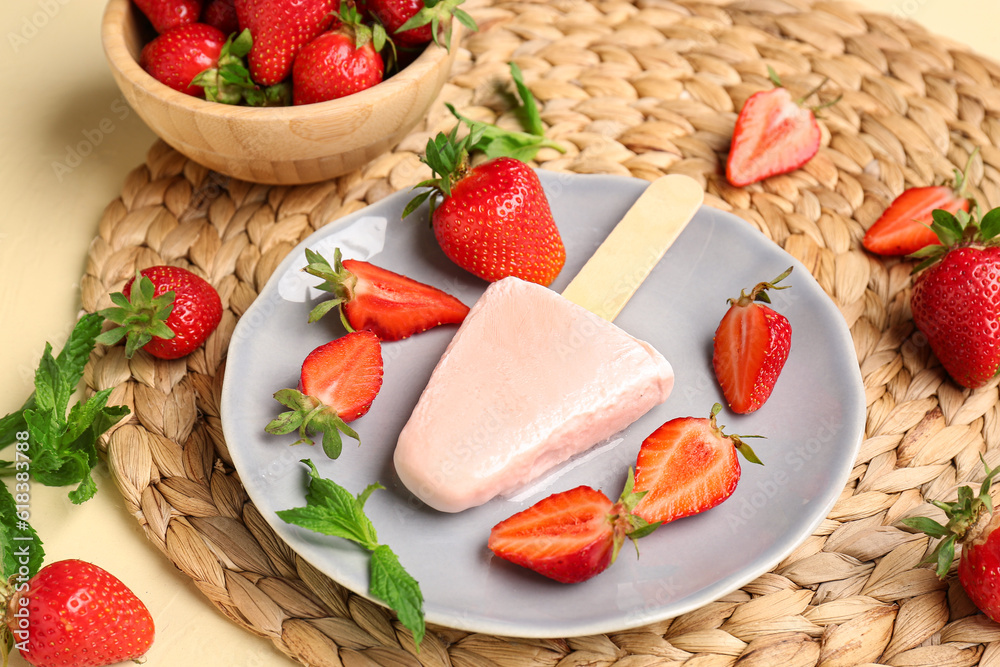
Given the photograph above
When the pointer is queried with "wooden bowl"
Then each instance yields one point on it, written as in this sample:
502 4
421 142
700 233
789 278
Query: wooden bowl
274 145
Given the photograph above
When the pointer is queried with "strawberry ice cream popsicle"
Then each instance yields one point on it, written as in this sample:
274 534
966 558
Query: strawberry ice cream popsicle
529 380
533 378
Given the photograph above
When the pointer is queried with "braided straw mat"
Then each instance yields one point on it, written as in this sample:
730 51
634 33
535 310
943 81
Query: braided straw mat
642 88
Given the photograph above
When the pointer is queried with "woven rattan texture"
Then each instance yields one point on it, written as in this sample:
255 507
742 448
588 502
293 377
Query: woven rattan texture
643 89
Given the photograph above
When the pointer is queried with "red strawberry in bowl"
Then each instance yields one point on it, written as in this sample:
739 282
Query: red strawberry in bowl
687 466
956 295
570 536
167 14
280 29
170 314
750 347
493 219
75 614
413 23
337 384
176 57
339 62
375 299
221 14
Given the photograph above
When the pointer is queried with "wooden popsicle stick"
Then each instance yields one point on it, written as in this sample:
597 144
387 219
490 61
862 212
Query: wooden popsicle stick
619 266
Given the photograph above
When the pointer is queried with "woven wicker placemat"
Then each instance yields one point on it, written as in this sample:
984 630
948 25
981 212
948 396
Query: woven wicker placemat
642 88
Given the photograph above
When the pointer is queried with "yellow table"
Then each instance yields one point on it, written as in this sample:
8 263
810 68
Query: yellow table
68 141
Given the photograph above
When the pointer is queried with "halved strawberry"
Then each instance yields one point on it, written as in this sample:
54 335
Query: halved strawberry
375 299
338 382
774 134
905 226
687 466
570 536
750 348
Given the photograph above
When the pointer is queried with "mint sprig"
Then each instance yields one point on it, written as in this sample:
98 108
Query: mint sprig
496 142
332 510
61 446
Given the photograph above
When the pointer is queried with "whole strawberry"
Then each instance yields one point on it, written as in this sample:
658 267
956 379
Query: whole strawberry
167 14
956 296
972 524
170 315
176 57
339 62
221 14
75 614
493 219
280 29
750 347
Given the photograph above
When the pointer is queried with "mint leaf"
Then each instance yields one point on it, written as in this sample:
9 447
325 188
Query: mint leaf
19 543
332 510
393 585
531 120
61 447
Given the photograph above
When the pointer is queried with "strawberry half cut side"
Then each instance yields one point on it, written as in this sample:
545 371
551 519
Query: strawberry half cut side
570 536
905 225
750 347
687 466
774 134
375 299
338 382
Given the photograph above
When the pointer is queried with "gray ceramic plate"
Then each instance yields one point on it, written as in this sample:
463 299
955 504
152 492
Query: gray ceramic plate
813 423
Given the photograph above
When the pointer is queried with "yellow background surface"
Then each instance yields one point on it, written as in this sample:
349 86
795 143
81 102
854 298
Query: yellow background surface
68 141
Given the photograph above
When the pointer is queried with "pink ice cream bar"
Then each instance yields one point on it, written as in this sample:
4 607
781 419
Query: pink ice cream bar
529 380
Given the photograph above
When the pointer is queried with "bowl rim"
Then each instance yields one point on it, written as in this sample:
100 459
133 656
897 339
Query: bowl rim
117 12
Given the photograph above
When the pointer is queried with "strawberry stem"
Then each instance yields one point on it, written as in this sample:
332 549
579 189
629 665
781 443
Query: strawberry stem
737 440
307 415
759 291
336 279
625 524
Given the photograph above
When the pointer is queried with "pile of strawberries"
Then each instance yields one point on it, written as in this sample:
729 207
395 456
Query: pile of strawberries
274 53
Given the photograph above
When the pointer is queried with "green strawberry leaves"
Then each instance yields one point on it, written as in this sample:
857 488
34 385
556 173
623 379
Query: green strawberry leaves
962 516
139 316
336 279
332 510
954 229
436 13
308 415
230 83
